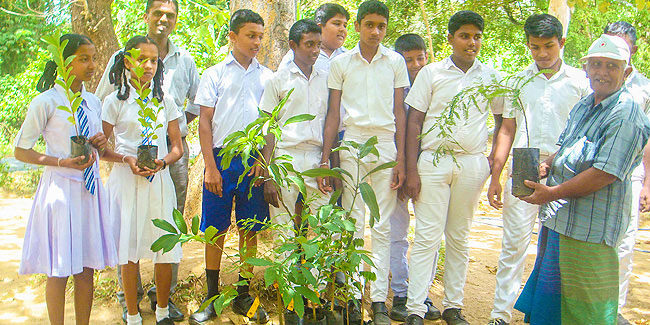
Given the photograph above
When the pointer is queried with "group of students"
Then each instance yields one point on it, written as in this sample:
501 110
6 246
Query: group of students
76 225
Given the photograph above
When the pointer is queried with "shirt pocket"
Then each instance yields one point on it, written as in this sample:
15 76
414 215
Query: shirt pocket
580 156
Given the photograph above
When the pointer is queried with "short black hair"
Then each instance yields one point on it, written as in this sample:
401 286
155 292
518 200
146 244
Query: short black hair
150 4
372 7
409 42
543 25
328 11
622 28
465 17
243 16
302 27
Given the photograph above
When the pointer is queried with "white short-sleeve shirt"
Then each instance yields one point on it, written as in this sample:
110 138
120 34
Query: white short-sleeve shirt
234 92
368 88
123 115
309 97
432 91
322 63
546 103
180 81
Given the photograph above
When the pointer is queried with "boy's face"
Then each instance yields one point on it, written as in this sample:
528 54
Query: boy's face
161 18
545 51
372 29
466 43
334 32
247 41
306 53
415 60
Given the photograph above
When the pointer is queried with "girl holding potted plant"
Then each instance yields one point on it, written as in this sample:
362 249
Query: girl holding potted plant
139 116
69 231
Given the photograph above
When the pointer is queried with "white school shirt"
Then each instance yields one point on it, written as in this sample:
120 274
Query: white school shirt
546 103
234 92
639 87
368 88
433 89
123 115
44 118
309 97
322 63
180 81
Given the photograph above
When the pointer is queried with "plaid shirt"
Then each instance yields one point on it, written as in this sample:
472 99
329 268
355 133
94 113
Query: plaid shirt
610 137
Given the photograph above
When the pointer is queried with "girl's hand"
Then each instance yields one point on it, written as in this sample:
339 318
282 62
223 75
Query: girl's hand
133 163
159 165
74 163
99 141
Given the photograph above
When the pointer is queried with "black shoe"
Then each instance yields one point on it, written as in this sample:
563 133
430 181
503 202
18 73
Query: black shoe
379 313
498 321
433 313
165 321
414 319
242 304
398 310
453 316
201 316
353 316
174 313
620 320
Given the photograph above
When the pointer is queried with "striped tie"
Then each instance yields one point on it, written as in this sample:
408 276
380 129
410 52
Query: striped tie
89 173
147 141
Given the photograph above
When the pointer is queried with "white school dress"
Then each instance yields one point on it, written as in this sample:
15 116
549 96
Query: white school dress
133 199
68 227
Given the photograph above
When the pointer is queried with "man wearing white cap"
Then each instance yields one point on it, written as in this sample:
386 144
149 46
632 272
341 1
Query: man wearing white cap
586 200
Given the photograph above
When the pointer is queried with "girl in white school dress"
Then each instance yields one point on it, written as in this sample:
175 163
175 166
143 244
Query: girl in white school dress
136 198
69 231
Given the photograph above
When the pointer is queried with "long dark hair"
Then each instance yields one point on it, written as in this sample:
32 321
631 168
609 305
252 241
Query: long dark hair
49 72
117 75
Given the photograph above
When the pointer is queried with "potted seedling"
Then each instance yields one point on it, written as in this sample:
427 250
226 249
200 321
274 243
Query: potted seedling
79 144
148 112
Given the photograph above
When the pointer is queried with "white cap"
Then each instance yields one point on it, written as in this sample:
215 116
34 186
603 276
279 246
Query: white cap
608 46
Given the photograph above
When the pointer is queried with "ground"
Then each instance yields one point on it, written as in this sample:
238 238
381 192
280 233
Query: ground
22 297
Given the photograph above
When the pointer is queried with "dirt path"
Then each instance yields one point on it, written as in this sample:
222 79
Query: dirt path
22 297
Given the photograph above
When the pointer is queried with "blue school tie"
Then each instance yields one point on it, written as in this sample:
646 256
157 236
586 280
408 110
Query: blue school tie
147 141
89 173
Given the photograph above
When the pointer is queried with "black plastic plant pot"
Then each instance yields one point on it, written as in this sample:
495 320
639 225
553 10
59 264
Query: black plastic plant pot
146 156
79 146
525 166
291 318
309 318
334 317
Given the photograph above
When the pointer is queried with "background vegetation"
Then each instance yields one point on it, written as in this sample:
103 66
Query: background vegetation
202 29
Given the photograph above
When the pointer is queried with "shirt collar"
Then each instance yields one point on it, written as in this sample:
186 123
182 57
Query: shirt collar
293 68
448 64
59 89
336 53
607 102
230 59
134 94
173 50
381 51
533 69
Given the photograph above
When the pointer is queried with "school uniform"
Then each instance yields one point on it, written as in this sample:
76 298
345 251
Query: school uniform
137 200
639 86
451 188
234 92
303 141
69 226
368 96
546 104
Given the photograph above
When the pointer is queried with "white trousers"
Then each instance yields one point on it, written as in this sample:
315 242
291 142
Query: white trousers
386 200
518 221
626 246
446 204
304 158
399 245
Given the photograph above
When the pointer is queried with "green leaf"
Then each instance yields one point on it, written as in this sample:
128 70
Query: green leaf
367 147
210 233
383 166
349 225
195 225
299 182
310 250
369 197
270 276
165 243
298 305
321 172
164 225
335 196
299 118
308 293
180 222
254 261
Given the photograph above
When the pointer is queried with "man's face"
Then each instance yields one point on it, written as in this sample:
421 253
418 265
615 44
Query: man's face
307 51
545 51
372 29
161 18
247 40
466 43
606 75
415 60
334 32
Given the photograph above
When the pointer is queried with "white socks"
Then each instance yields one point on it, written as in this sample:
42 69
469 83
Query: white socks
133 319
161 313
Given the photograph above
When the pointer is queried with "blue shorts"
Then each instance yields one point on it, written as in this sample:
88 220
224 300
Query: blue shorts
216 211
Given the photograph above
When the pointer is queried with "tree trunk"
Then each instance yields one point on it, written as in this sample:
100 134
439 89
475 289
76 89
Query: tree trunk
93 19
278 16
561 10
